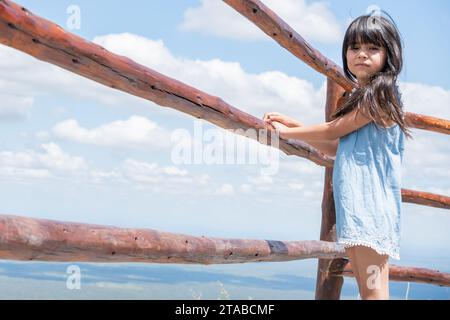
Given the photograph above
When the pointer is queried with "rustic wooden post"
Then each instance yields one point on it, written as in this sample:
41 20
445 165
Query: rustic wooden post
328 286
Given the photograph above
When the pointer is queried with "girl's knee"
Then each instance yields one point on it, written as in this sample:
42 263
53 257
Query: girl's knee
380 292
375 283
375 296
372 271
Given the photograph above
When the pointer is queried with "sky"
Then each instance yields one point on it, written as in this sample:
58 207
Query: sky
73 150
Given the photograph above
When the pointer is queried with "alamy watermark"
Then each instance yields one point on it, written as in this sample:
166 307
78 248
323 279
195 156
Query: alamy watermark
74 19
375 13
216 146
73 281
374 280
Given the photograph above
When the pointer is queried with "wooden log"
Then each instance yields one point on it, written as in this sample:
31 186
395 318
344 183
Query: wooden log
46 41
403 273
276 28
426 198
429 123
419 275
328 287
24 238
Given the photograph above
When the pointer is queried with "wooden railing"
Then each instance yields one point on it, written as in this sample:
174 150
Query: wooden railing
31 239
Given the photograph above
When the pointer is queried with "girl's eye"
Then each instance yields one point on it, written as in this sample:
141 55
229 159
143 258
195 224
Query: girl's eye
374 48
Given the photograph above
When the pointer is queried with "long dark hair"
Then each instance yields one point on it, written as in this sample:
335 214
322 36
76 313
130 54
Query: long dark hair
380 99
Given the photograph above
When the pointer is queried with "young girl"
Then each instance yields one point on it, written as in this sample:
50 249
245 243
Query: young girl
366 136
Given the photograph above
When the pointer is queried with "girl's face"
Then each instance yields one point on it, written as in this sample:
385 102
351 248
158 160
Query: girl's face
365 60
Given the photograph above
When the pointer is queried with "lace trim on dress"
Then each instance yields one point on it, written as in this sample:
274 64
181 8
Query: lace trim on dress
351 243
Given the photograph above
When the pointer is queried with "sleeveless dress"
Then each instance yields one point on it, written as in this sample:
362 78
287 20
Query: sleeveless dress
367 188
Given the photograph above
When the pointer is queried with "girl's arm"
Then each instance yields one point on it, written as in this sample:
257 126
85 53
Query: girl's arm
328 130
328 147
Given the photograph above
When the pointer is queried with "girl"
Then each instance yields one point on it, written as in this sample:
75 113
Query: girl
366 135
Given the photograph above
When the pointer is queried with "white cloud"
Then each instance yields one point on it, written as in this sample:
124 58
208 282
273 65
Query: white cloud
297 186
14 107
427 154
49 161
245 188
106 176
136 132
252 93
302 167
314 21
425 99
149 172
163 179
41 135
19 87
225 189
262 180
263 183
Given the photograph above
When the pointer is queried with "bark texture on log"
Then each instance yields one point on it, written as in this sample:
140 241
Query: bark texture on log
24 238
403 273
420 121
276 28
426 198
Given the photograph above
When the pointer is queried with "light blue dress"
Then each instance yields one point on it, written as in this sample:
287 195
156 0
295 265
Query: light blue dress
367 188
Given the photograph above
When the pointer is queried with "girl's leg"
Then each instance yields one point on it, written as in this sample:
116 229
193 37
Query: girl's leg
350 252
373 273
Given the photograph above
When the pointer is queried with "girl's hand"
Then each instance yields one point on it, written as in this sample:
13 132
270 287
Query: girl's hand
279 128
289 122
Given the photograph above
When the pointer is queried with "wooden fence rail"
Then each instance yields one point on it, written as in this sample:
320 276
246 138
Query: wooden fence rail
30 239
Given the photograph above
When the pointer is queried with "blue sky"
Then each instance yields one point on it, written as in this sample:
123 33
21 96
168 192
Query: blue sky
73 150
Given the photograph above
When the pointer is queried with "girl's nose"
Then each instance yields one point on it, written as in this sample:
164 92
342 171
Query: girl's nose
362 54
